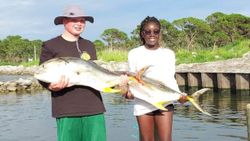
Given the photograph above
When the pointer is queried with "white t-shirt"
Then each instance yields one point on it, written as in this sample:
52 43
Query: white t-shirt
162 68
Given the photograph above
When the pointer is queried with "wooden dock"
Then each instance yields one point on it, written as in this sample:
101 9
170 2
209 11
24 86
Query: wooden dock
234 81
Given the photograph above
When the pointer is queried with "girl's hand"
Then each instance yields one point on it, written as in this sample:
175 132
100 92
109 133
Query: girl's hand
124 80
128 95
183 99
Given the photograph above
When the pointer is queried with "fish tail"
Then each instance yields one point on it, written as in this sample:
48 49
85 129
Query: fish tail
160 104
194 100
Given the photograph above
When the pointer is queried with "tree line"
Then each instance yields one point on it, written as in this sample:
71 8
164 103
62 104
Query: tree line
15 49
217 30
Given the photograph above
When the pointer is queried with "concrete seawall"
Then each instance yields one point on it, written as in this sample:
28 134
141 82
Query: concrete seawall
234 81
229 74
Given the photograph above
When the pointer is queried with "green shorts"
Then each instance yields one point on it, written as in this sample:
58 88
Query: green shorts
86 128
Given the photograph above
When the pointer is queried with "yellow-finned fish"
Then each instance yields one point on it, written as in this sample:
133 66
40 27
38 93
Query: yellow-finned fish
79 72
158 94
88 73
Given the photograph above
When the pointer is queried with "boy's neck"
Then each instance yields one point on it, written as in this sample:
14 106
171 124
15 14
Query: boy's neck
69 37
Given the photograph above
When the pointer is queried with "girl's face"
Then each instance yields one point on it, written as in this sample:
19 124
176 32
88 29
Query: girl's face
151 35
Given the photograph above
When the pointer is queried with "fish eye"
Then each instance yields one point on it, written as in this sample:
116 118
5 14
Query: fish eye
78 73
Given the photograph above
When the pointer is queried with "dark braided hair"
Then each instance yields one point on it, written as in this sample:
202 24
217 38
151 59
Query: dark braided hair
146 21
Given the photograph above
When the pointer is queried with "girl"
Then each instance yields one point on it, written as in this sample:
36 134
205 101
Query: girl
162 61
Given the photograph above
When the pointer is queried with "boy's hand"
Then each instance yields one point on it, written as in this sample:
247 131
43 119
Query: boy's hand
61 84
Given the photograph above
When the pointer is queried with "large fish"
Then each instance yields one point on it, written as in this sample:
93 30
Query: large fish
79 72
159 95
88 73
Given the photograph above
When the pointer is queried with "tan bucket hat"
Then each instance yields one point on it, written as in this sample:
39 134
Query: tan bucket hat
72 11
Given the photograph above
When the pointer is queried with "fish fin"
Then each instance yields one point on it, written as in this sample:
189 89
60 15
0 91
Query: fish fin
198 93
111 90
139 74
194 100
159 105
132 78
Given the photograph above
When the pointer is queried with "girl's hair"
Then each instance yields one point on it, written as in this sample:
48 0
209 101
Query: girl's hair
146 21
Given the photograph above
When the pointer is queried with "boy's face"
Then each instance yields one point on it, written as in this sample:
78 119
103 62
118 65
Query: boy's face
74 26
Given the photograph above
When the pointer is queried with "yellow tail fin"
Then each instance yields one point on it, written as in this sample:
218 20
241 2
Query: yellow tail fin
160 104
194 100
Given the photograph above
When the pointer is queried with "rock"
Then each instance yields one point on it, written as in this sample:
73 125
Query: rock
24 82
11 86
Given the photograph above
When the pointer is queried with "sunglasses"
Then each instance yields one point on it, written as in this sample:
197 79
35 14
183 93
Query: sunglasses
149 32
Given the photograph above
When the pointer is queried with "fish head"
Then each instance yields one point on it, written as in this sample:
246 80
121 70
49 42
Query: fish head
53 69
48 72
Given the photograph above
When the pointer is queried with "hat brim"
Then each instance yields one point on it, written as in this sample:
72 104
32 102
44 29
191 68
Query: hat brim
59 20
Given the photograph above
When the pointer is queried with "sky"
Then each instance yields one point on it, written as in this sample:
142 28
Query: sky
34 19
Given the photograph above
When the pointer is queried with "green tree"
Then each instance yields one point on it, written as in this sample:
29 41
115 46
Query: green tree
135 39
170 35
15 49
99 45
11 47
240 26
228 28
219 37
235 26
196 30
114 37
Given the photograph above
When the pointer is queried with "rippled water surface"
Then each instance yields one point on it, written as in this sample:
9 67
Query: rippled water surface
27 117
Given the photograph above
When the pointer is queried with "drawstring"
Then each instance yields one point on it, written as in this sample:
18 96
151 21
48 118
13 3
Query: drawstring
78 49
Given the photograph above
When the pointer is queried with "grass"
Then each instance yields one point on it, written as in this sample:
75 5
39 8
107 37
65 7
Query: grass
234 50
112 55
31 63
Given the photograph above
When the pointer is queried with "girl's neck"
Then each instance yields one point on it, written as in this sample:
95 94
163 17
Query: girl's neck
153 47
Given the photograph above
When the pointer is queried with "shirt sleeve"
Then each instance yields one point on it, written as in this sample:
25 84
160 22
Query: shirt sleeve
46 53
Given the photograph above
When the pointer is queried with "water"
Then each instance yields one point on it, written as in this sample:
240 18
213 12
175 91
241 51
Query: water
5 78
28 117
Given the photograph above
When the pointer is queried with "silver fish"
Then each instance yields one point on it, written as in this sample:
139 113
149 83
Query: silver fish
159 95
79 72
88 73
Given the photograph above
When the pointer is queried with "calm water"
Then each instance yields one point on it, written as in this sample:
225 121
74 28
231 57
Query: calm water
13 77
27 117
